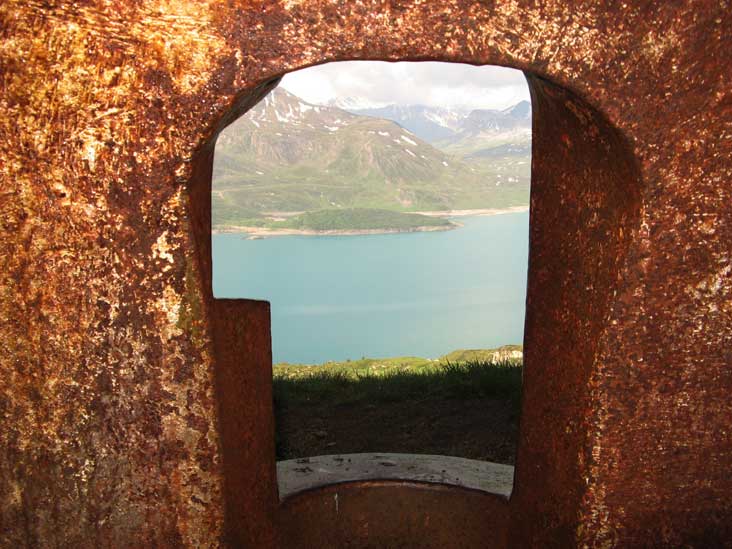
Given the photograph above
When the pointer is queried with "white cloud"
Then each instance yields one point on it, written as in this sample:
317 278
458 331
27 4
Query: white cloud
426 83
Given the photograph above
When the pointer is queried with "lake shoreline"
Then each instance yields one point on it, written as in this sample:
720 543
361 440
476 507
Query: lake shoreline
255 233
478 212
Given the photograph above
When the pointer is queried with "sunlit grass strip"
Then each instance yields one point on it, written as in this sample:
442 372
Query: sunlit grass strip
474 379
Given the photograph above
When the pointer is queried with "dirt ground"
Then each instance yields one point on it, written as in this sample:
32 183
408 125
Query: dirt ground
476 428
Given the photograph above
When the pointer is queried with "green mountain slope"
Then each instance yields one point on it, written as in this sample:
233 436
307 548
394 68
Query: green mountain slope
288 155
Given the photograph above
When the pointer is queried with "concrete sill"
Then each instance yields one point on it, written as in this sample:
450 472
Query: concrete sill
300 475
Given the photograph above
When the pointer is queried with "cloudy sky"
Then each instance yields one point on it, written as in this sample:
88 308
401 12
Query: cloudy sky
426 83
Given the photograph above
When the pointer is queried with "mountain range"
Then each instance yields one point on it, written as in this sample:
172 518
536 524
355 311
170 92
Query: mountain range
460 130
288 155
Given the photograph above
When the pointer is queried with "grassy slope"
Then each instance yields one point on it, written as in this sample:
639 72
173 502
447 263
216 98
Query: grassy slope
383 383
479 355
380 366
356 167
408 405
473 143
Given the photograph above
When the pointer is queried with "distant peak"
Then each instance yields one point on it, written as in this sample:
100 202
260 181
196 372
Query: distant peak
522 109
355 103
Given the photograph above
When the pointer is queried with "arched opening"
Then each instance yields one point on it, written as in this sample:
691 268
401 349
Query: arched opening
388 229
584 199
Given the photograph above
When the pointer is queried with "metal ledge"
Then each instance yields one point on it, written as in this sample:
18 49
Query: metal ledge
299 475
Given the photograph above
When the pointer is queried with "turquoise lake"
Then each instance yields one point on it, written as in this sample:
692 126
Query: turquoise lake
420 294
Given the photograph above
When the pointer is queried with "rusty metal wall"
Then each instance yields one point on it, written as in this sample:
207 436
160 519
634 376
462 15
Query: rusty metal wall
135 408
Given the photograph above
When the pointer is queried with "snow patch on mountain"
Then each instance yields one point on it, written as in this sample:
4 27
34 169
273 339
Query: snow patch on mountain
354 103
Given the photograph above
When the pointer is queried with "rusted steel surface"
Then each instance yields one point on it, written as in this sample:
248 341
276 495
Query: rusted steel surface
135 408
585 203
406 515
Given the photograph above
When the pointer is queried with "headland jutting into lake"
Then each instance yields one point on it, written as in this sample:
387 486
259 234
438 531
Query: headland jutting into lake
255 232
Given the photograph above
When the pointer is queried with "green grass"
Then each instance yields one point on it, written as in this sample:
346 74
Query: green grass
479 355
465 373
403 404
407 363
359 219
354 368
447 380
